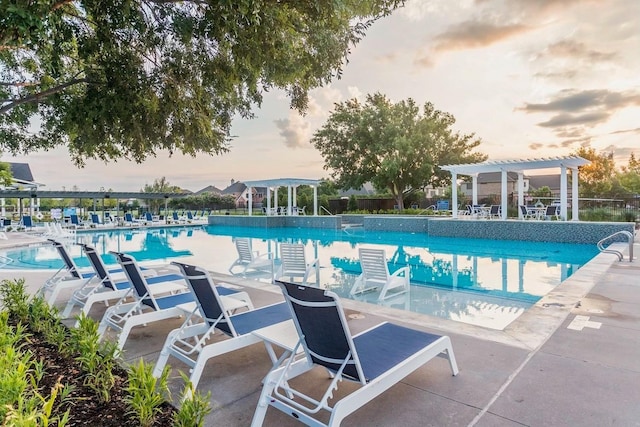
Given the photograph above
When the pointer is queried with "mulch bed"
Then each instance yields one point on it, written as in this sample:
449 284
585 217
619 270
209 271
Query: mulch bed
85 408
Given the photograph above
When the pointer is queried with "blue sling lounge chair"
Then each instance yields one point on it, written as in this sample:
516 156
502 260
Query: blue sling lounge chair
376 359
112 288
148 308
69 276
190 342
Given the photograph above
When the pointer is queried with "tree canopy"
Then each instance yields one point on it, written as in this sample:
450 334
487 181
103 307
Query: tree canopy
602 178
6 177
395 146
124 78
160 185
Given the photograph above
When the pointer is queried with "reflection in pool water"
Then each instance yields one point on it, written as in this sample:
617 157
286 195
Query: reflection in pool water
481 282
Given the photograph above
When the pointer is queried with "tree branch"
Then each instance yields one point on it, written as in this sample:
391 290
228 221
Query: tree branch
36 97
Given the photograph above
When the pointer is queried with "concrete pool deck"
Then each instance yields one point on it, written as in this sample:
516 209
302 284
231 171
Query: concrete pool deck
572 359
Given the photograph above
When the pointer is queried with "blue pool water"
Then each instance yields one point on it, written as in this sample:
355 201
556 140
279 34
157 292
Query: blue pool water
482 282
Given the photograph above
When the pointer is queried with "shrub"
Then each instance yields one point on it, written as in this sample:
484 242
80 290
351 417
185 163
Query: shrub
146 392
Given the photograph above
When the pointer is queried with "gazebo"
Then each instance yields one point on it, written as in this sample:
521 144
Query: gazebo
564 163
291 184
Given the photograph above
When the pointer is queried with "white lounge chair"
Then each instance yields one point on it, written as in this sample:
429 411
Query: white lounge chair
375 275
111 287
69 276
189 343
249 259
149 308
293 263
376 359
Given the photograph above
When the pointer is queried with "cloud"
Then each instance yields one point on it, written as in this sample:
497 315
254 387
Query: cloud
636 130
583 142
475 34
295 131
557 75
571 100
535 146
577 50
564 119
578 109
424 60
387 58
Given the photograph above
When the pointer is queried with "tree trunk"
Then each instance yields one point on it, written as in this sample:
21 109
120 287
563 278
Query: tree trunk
399 201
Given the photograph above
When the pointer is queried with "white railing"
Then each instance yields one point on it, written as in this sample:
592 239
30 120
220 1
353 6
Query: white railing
619 254
322 208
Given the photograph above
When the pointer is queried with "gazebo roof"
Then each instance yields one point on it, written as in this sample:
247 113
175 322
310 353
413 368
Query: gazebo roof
516 165
281 182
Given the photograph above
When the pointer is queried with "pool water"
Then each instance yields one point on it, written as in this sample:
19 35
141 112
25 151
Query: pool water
481 282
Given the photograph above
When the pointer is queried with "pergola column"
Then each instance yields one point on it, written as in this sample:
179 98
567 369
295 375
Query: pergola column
289 210
574 195
454 194
520 192
315 200
474 189
503 194
563 192
275 198
250 190
268 212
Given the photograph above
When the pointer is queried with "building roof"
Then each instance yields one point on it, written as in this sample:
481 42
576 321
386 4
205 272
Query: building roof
21 172
235 188
209 189
493 177
551 181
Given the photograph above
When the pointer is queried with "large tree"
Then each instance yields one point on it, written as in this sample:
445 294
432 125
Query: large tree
629 176
124 78
395 146
160 185
596 178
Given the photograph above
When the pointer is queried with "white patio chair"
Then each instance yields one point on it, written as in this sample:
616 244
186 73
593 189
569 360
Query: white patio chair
293 263
249 259
375 275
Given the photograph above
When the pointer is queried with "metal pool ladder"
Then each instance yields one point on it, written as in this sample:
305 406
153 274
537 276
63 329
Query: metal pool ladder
616 252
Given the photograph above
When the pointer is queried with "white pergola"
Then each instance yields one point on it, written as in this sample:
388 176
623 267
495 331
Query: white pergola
291 184
473 169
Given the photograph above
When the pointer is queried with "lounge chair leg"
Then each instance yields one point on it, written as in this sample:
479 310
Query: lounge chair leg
263 402
68 308
164 356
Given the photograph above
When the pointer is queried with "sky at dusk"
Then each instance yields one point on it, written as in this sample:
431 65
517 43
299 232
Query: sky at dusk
531 78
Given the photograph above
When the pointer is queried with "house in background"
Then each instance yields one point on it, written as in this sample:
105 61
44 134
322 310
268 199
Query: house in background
22 180
240 194
539 181
490 183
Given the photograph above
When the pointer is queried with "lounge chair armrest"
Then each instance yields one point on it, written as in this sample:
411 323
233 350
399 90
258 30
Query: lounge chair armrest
402 271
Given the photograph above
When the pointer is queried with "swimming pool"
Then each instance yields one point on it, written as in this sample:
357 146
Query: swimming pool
481 282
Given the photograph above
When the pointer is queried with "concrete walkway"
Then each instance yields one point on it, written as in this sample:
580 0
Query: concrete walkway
571 360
